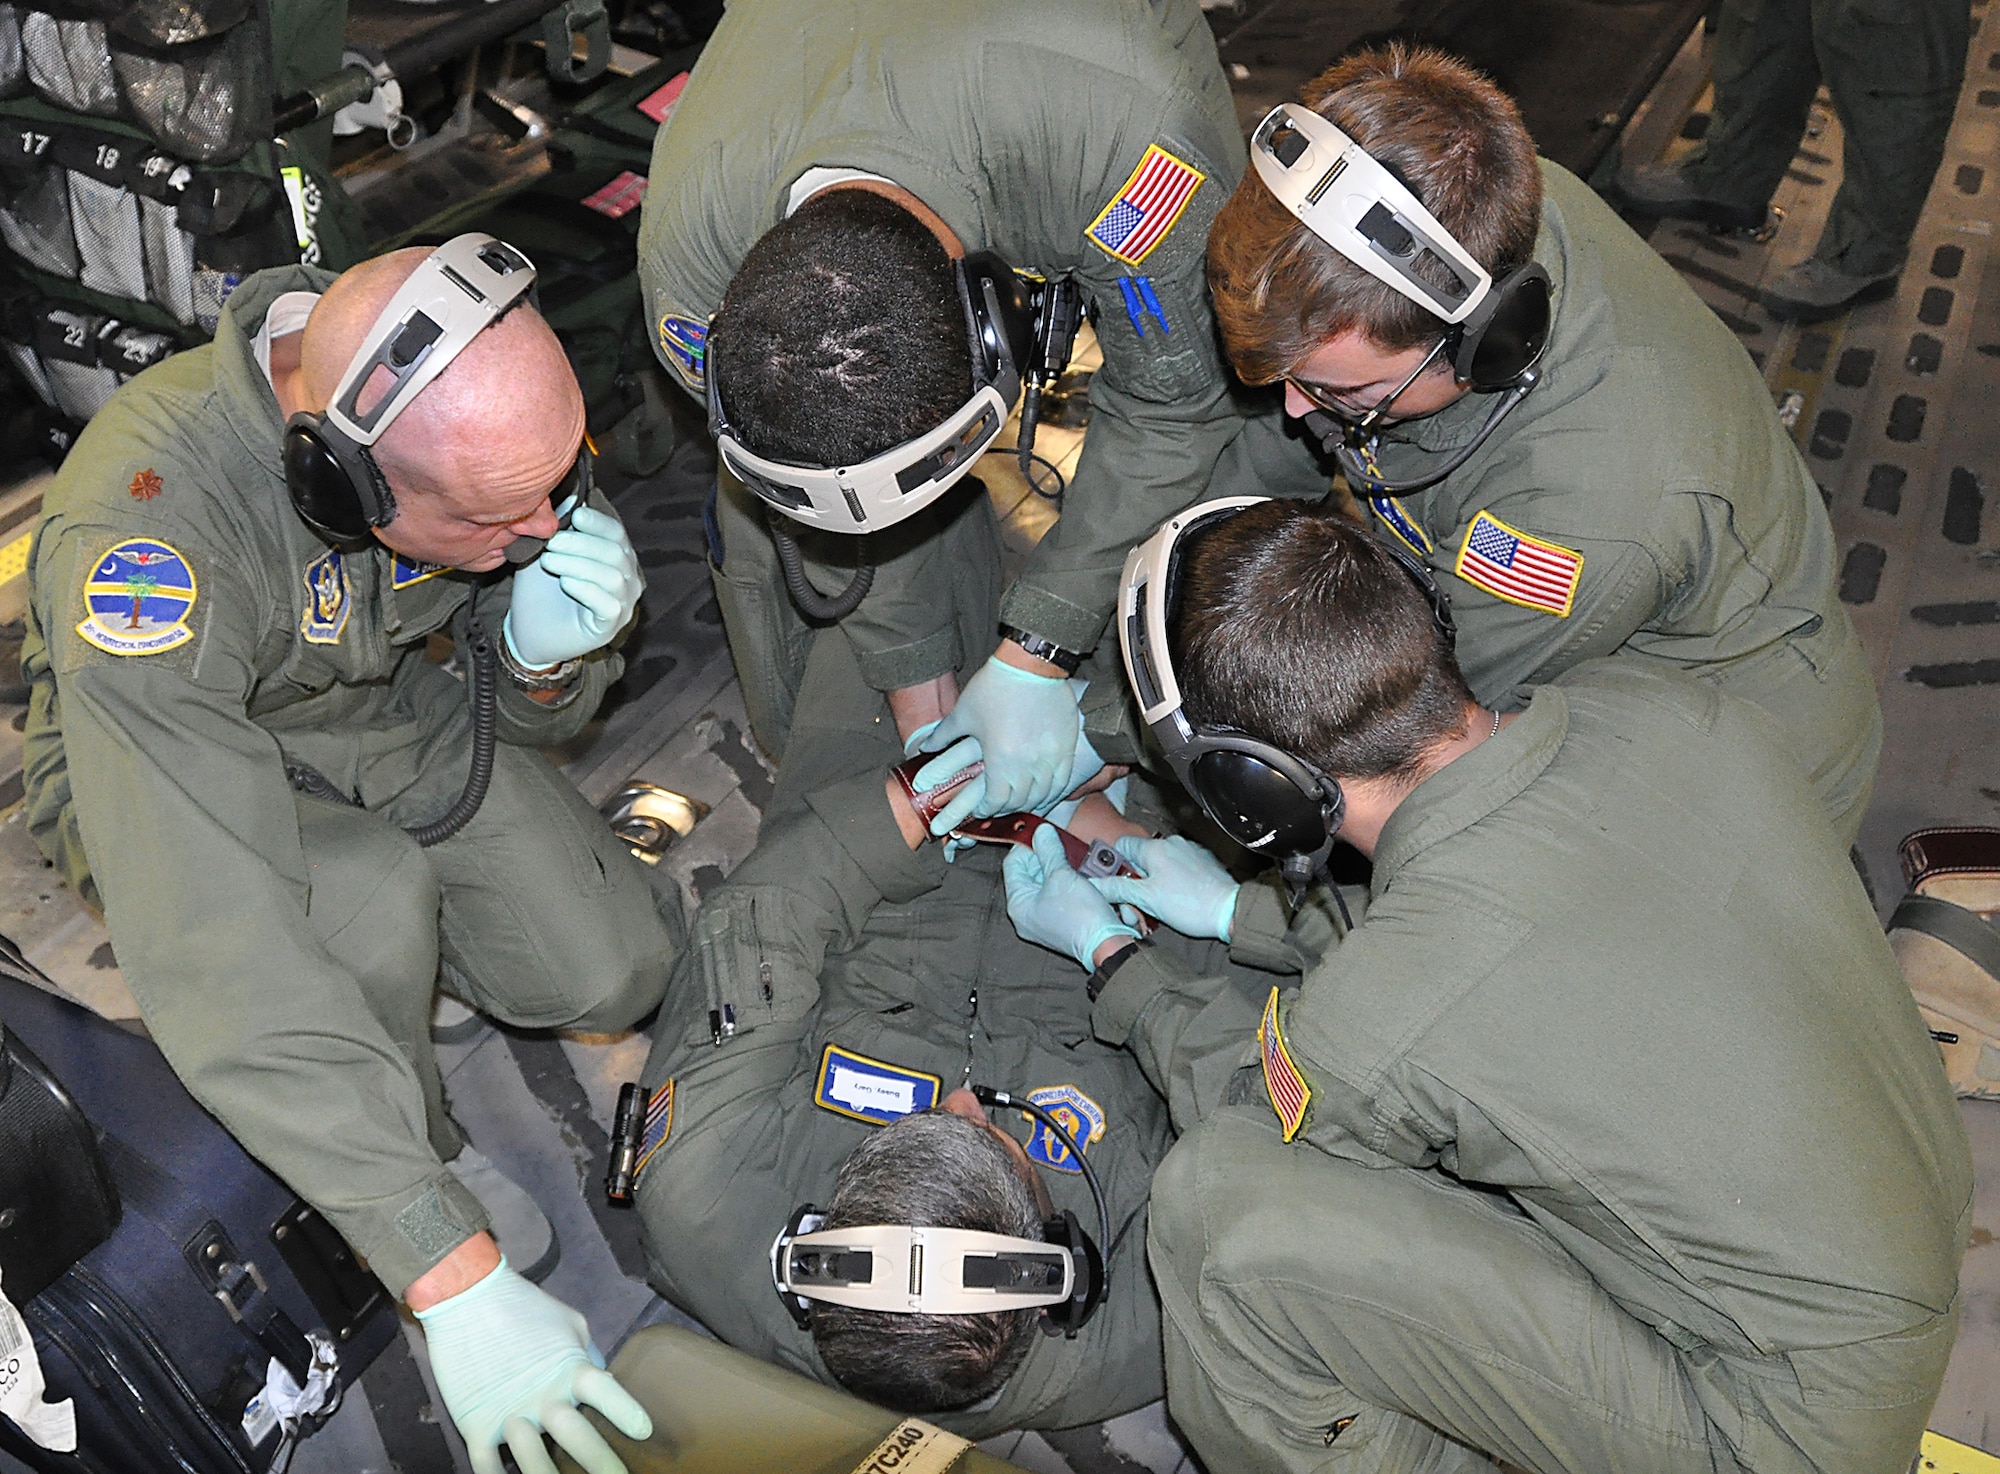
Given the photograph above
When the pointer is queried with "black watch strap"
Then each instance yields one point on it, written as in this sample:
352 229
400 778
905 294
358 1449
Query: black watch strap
1066 660
1105 971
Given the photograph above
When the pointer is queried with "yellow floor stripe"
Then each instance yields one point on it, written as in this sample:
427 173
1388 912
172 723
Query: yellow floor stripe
1943 1456
14 557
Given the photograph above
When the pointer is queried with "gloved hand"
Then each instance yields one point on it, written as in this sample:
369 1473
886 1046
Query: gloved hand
1053 906
577 594
1184 887
513 1363
1028 731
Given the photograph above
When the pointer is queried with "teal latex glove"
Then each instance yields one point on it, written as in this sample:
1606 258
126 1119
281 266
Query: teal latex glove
578 594
1028 731
1184 887
513 1363
1054 907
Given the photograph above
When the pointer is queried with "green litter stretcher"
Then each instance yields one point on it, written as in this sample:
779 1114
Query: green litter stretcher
717 1411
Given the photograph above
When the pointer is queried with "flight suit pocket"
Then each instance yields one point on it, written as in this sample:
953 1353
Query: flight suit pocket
1886 1372
747 965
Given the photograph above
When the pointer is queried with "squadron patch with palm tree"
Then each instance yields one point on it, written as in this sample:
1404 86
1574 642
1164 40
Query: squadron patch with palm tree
139 594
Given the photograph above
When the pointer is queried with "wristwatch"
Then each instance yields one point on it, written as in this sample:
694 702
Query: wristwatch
1105 971
537 682
1065 660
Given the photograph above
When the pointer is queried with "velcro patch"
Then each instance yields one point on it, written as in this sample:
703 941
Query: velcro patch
1081 1117
869 1090
684 342
659 1126
1524 570
1146 206
325 614
139 594
1289 1090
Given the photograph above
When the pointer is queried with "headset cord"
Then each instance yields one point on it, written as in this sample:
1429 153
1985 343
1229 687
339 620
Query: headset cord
987 1095
1333 437
812 603
484 681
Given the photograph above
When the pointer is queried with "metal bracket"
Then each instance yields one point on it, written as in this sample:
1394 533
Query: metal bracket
561 27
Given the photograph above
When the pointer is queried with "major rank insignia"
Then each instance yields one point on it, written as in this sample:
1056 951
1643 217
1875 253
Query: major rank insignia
1524 570
870 1090
327 600
1289 1090
684 345
1145 207
139 596
403 572
1081 1117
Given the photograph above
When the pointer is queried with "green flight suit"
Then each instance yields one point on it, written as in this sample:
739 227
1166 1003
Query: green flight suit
1894 69
1625 1148
188 637
1650 451
834 934
1019 125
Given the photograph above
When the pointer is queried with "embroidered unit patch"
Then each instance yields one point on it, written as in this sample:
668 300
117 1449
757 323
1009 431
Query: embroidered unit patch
139 595
659 1126
870 1090
685 343
1290 1094
1145 207
147 484
1396 517
1524 570
1081 1117
327 600
403 572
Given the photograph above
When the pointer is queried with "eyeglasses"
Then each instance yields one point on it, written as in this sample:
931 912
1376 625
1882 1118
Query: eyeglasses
1361 427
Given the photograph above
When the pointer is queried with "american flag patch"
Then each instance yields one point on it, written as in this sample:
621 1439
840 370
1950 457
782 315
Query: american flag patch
1146 207
1290 1094
1521 569
659 1122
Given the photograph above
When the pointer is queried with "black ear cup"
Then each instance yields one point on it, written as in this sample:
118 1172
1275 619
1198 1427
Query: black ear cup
1508 334
1256 804
1069 1317
999 318
335 486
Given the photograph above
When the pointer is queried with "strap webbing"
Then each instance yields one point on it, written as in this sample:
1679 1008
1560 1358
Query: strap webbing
1962 930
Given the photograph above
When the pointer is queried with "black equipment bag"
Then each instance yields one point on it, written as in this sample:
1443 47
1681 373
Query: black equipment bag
164 1327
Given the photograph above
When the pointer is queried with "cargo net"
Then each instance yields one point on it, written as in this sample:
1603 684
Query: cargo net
74 359
117 216
196 77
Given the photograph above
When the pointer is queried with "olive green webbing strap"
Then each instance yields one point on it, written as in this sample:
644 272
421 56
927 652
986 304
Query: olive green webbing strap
914 1447
1962 930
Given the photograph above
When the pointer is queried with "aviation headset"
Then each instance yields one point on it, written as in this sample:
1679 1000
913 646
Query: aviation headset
909 1269
1496 332
1015 328
459 290
1266 799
